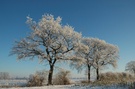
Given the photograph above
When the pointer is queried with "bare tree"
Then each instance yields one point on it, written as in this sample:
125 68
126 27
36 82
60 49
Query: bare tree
130 66
49 41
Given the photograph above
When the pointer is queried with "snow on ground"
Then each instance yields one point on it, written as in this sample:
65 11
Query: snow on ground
71 87
13 82
23 82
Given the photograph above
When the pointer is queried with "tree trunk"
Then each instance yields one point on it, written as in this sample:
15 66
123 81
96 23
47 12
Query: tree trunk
97 71
88 73
50 75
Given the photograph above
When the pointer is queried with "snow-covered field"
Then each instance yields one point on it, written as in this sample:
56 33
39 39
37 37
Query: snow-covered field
13 82
71 87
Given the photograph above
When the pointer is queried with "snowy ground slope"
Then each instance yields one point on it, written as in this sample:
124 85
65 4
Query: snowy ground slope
71 87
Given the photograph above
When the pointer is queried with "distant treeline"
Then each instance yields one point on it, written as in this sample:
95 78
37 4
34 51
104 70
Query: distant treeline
20 78
4 75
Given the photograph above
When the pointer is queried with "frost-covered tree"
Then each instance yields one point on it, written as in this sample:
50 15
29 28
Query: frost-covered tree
84 54
130 67
103 54
49 40
95 53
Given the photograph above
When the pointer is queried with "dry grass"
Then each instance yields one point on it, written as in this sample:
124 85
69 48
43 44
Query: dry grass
114 78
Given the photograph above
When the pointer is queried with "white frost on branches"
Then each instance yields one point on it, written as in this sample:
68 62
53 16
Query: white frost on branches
95 53
49 40
52 42
130 67
48 35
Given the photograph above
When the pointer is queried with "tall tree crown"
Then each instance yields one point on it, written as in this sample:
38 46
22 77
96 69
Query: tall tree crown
49 39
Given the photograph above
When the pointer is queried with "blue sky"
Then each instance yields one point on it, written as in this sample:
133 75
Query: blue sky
109 20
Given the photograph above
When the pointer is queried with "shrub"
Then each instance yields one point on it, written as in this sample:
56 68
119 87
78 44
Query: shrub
62 78
37 79
114 78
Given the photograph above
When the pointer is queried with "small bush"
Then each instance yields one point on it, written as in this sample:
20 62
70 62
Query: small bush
37 79
62 78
